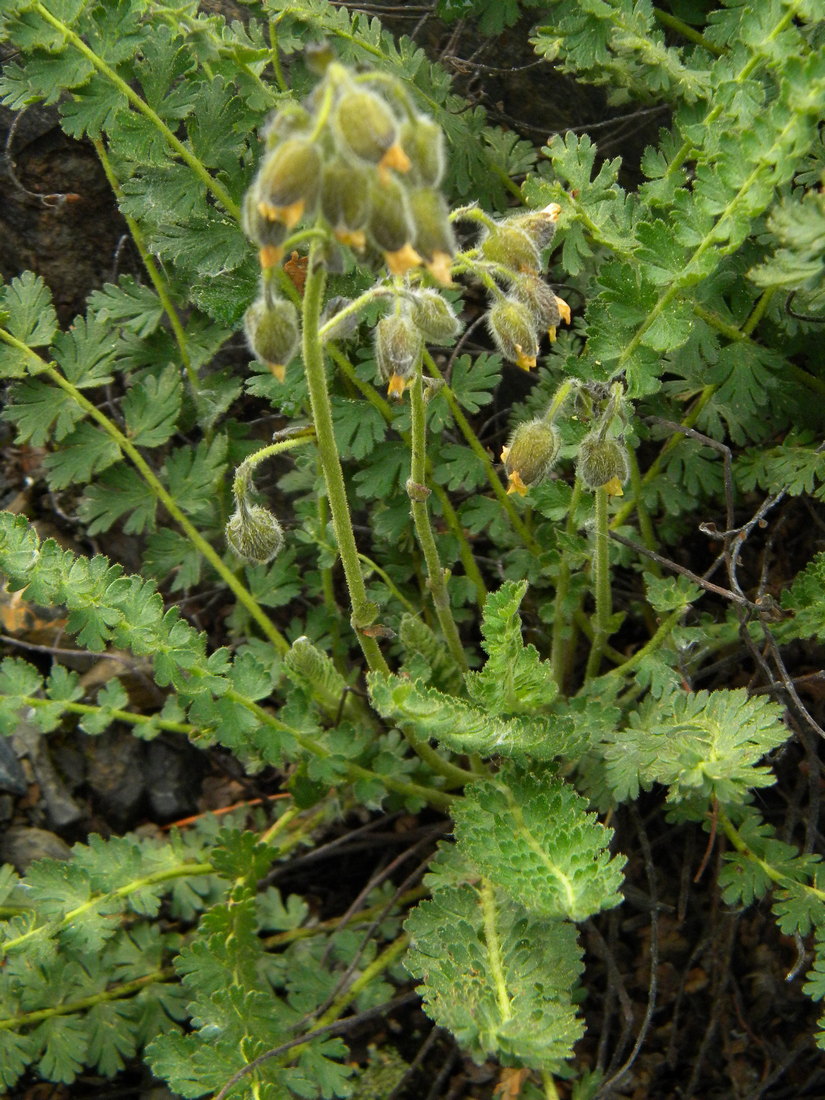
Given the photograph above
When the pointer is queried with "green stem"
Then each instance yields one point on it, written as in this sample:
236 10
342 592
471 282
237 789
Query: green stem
212 185
243 474
465 551
117 715
664 629
564 635
475 446
601 585
435 797
418 493
241 593
112 993
53 927
363 611
152 270
734 836
686 31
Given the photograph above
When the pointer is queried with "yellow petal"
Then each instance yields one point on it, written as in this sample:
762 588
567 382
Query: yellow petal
440 267
396 386
288 215
516 484
396 158
270 255
402 260
526 362
504 452
564 309
614 487
355 238
278 370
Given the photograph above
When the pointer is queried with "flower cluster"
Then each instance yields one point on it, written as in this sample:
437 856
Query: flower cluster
359 156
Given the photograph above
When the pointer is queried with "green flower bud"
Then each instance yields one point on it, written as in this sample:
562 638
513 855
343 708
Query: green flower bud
273 332
539 225
365 128
603 462
289 181
345 201
390 227
423 142
511 247
547 309
268 235
254 534
398 344
530 455
513 328
434 316
434 238
289 121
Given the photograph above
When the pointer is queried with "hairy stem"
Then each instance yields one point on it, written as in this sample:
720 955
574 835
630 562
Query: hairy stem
601 585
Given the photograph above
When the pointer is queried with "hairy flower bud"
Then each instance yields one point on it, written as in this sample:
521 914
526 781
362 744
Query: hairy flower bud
289 181
398 344
539 225
268 235
434 316
423 142
273 332
290 120
603 462
513 328
254 534
547 309
367 130
434 238
390 227
345 201
511 247
530 455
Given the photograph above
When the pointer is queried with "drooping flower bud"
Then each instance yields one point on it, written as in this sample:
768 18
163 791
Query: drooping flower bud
390 227
398 344
511 247
547 309
268 235
514 331
289 181
434 316
423 142
603 462
291 120
434 238
539 225
345 201
530 455
253 533
366 129
273 332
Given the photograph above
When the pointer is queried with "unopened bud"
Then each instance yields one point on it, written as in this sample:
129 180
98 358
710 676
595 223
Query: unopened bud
530 455
268 235
390 227
511 247
513 329
289 181
254 534
273 332
539 225
366 129
398 344
603 462
290 120
434 316
345 201
434 238
547 309
423 142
